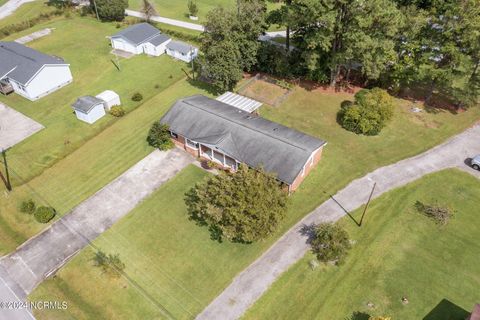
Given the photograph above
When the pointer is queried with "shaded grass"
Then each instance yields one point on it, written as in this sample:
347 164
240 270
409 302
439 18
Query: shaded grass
82 43
398 252
25 12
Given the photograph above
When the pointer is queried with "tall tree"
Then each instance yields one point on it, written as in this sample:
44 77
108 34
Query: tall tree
110 10
245 206
230 42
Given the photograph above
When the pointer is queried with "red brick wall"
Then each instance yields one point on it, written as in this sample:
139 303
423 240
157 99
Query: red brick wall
180 142
308 168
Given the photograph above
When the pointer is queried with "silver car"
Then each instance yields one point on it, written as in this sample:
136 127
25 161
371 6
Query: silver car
476 162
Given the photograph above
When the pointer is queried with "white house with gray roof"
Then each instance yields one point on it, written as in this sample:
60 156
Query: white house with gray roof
140 38
30 73
182 51
229 136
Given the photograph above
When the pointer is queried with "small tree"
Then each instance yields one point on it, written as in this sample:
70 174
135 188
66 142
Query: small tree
110 10
192 8
110 264
148 10
370 112
159 136
244 206
330 243
44 214
28 206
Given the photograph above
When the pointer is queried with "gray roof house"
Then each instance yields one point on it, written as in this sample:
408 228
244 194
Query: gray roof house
21 65
217 131
140 38
181 50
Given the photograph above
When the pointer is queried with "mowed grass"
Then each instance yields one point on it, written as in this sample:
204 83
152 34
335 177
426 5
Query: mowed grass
82 43
25 12
178 9
85 171
398 253
181 277
173 269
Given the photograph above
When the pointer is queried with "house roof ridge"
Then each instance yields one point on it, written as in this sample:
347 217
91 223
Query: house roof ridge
244 125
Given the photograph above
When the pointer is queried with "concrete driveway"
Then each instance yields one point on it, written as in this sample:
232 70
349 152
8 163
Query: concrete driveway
15 127
44 254
10 7
250 284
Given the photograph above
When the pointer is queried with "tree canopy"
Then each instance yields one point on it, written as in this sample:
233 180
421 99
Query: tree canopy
330 243
230 42
244 206
109 10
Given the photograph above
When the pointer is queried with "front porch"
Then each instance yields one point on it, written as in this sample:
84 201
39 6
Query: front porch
5 87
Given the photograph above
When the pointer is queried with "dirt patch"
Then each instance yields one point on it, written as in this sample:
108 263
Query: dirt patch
266 89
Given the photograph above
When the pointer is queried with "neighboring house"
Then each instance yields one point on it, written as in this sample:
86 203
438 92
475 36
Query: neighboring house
141 38
229 136
30 73
89 109
475 313
182 51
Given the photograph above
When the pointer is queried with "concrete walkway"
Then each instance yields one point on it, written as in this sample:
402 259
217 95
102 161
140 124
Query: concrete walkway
9 7
250 284
44 254
35 35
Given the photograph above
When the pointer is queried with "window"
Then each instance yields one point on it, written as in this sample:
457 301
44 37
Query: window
192 144
218 156
173 135
230 163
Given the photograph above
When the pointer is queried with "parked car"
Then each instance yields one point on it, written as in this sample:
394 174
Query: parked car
476 162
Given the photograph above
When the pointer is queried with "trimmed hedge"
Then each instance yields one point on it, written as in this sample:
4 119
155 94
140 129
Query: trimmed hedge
44 214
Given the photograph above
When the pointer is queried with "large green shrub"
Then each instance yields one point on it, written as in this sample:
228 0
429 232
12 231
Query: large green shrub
370 112
28 206
159 136
110 10
330 243
244 206
117 111
44 214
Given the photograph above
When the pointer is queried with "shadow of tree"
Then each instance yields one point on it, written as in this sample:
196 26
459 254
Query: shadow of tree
357 315
446 310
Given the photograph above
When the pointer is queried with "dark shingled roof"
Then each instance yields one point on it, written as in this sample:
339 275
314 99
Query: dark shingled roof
21 63
138 33
179 46
159 39
246 137
86 103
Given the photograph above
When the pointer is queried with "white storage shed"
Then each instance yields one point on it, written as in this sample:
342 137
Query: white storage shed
110 99
89 109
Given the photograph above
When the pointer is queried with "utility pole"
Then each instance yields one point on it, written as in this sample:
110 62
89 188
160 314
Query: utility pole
96 11
6 178
366 206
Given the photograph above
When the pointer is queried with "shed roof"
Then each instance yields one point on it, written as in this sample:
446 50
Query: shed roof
21 63
138 33
180 46
86 103
246 137
240 102
108 95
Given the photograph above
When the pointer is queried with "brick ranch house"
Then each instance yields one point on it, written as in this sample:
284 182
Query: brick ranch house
219 132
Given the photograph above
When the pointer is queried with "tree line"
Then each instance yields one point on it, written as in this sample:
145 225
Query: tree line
430 46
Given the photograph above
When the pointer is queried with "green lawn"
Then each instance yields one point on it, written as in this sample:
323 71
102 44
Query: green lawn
25 12
82 43
80 174
174 256
178 9
398 253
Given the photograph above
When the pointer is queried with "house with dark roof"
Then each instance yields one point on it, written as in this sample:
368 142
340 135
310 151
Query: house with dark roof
140 38
30 73
182 51
229 136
